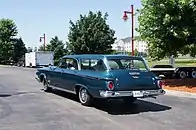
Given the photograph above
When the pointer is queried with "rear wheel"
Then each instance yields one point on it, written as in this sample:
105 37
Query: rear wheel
193 74
182 74
84 97
129 100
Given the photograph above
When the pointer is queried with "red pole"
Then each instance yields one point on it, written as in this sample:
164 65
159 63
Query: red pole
132 29
44 41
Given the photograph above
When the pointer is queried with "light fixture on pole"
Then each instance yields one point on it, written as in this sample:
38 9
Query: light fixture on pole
43 37
125 18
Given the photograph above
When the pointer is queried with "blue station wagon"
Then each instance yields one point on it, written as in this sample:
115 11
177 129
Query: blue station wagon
92 76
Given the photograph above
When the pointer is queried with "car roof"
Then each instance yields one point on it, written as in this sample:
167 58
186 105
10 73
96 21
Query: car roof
100 56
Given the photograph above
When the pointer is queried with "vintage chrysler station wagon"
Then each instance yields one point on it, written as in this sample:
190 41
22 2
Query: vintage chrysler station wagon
92 76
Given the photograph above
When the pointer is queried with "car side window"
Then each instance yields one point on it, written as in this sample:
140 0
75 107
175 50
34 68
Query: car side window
63 63
69 63
93 65
113 64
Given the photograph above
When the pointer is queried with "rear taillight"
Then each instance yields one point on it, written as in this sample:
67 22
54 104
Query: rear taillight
110 85
160 84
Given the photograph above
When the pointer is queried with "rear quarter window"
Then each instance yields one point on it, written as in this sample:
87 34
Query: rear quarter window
92 65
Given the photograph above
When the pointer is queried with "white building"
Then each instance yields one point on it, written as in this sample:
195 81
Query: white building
125 45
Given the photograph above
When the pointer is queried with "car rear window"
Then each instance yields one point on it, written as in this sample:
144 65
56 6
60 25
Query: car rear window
132 64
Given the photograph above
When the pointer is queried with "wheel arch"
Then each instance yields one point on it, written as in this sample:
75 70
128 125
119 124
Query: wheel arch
42 77
78 86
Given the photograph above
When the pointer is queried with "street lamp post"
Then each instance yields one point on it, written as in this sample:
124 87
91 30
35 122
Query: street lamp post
43 37
125 17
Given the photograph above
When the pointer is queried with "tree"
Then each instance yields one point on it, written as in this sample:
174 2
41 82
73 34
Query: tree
136 52
91 34
168 26
19 50
8 31
58 47
41 48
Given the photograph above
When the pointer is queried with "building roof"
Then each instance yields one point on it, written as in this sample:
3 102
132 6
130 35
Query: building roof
127 39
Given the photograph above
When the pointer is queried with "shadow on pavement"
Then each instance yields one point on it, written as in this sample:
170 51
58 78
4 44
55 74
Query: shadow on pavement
15 94
117 107
140 106
5 95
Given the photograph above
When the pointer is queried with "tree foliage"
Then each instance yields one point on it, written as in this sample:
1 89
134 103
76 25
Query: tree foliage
91 34
169 26
19 50
41 48
8 31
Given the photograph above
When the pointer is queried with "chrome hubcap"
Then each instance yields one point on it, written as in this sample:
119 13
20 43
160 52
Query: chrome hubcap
182 74
83 95
194 74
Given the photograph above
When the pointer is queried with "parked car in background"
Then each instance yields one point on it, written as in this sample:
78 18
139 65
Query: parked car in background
101 76
185 72
165 70
168 71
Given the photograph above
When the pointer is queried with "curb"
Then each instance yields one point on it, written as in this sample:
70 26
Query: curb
180 93
4 65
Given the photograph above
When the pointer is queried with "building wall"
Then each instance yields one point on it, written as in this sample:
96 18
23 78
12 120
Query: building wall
120 45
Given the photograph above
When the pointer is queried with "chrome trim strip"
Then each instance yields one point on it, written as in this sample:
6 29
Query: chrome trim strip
62 89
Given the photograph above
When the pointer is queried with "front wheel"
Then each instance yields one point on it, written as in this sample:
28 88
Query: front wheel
84 97
46 87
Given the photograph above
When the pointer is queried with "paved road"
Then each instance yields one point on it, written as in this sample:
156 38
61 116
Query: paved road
24 106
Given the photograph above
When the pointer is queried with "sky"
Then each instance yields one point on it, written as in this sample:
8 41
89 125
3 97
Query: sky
36 17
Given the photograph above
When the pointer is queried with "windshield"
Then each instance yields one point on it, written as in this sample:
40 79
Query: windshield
127 64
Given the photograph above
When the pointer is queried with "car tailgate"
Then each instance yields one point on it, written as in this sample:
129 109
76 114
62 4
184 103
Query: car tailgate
127 80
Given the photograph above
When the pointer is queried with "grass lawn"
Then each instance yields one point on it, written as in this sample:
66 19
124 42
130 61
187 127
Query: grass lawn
178 62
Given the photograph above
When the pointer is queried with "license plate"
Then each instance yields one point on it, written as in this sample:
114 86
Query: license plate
138 94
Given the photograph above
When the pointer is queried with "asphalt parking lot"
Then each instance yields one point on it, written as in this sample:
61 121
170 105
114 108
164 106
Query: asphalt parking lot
24 106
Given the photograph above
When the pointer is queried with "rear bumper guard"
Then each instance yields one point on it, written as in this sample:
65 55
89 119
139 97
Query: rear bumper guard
137 94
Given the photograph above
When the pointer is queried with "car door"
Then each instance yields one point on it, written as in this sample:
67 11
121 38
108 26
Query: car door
69 76
56 74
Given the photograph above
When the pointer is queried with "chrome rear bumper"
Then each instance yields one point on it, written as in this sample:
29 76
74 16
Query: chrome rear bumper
137 94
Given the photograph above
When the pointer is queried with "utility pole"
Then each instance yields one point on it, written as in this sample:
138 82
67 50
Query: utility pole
125 17
43 37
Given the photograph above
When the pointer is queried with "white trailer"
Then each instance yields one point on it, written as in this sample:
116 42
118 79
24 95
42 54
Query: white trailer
39 58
